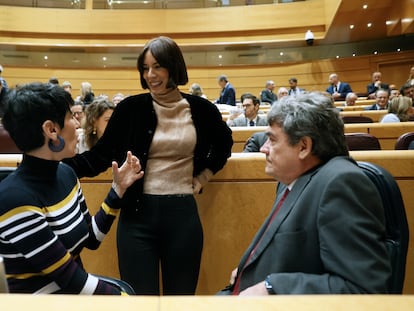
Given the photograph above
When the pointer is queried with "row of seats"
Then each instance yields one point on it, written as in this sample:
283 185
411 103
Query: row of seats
365 141
357 116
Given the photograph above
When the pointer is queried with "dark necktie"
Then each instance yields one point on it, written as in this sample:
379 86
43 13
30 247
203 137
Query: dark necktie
335 89
251 123
272 217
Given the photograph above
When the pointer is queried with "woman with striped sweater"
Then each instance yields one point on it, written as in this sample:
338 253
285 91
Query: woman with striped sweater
44 220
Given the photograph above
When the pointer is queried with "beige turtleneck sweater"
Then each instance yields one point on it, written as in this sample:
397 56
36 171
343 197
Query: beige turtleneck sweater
169 168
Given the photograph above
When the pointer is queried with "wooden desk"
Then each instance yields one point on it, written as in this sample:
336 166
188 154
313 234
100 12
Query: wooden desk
18 302
375 115
290 303
360 102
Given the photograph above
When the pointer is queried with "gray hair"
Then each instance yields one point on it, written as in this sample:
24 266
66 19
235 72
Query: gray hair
311 115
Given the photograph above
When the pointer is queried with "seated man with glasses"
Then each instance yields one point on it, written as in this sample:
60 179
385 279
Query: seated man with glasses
251 117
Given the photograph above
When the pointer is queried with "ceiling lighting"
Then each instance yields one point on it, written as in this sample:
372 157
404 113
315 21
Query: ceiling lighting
365 6
388 22
45 57
351 26
369 25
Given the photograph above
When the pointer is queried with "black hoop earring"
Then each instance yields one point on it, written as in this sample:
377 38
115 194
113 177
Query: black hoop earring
57 148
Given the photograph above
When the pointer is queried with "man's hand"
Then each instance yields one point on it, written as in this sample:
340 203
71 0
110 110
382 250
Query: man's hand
256 290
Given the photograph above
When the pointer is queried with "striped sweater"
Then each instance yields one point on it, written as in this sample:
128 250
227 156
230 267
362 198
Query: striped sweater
44 225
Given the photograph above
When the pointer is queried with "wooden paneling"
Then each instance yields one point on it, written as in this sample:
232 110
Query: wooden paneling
264 20
232 207
311 76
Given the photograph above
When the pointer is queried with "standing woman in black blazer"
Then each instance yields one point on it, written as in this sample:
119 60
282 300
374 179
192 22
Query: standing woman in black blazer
181 141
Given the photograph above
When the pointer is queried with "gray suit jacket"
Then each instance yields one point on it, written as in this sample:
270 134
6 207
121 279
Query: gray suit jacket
242 121
328 237
255 142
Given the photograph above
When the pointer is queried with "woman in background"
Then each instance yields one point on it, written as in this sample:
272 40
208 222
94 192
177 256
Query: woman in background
94 123
195 89
399 110
410 80
87 96
44 219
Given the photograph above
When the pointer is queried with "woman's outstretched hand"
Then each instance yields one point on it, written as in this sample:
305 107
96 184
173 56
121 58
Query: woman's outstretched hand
127 174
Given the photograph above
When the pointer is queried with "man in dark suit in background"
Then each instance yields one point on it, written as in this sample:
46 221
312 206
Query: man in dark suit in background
338 89
294 89
267 95
382 97
228 93
326 231
376 85
255 142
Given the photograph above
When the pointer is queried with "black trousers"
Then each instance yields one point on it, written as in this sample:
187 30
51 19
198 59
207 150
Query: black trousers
164 233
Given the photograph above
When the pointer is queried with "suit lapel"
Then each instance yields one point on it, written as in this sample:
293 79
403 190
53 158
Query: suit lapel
284 211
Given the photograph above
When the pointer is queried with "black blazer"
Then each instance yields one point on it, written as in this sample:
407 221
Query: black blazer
132 127
344 88
228 95
371 88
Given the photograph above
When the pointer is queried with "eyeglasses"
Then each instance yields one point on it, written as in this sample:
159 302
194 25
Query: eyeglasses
79 113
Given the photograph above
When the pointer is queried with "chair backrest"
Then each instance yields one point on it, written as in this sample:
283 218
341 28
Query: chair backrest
5 171
362 141
7 144
396 222
357 119
120 284
403 142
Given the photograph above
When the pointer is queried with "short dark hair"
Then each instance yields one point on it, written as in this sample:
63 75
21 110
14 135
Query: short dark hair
223 78
313 115
169 56
54 80
249 96
28 106
293 79
405 87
